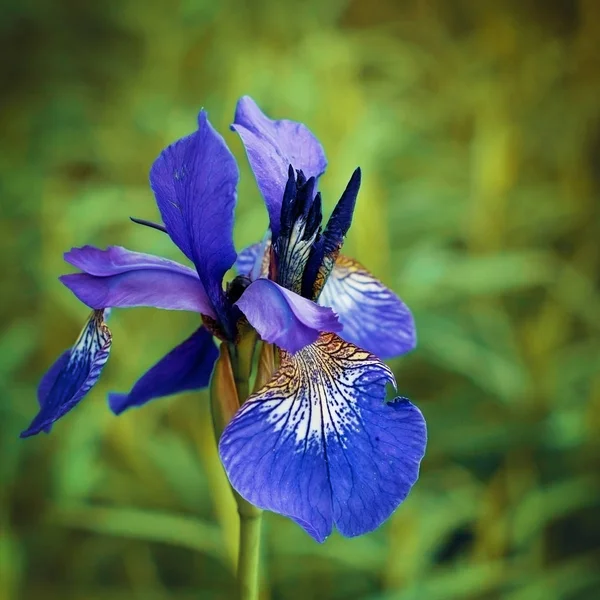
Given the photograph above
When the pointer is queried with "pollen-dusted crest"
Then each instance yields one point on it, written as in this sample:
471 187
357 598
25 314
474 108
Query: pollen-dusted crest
316 441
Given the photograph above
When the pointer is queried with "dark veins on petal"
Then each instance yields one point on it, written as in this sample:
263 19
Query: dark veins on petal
72 376
320 445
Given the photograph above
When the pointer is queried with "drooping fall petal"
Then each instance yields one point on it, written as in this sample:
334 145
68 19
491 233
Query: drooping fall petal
73 374
186 367
320 445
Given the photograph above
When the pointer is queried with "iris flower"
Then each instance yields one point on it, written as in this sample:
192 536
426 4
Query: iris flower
317 443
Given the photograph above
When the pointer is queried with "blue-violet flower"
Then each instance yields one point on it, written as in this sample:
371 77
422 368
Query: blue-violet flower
318 443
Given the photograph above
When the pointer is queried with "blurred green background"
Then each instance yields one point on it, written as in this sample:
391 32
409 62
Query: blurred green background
477 126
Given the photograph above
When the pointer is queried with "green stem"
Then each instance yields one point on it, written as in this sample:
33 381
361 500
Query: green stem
242 355
249 551
250 517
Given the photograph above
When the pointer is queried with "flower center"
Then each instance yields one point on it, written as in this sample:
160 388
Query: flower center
300 226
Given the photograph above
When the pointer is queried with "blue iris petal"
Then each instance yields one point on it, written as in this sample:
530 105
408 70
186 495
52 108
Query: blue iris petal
247 258
320 445
284 318
272 146
373 316
72 376
186 367
194 181
254 260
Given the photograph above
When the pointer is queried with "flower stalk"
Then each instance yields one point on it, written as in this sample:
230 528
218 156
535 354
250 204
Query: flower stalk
250 516
229 384
249 549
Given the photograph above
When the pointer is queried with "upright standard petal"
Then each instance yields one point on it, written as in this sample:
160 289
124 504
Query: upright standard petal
71 377
194 181
284 318
320 445
374 318
117 277
272 146
186 367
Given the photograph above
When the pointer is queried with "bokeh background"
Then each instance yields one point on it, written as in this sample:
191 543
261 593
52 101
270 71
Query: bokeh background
477 126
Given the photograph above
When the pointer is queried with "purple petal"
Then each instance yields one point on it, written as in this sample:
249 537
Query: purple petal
194 182
320 445
120 277
253 261
247 258
71 377
272 146
374 318
116 260
48 380
284 318
50 377
186 367
155 287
